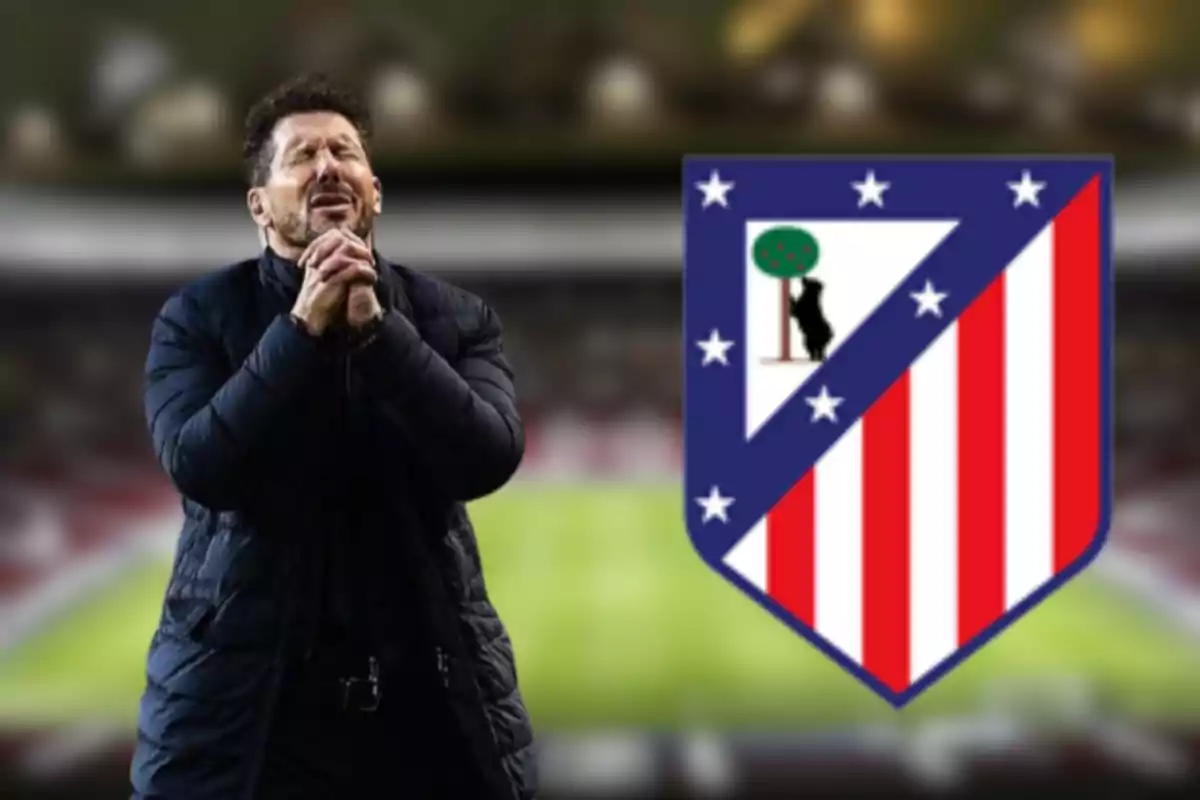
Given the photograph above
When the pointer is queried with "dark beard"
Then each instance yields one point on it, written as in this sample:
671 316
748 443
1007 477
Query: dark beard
296 231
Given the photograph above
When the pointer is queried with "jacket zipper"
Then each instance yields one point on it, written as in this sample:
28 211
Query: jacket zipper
324 538
342 520
443 666
337 598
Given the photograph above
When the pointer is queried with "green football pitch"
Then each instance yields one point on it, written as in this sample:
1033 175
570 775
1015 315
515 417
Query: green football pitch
617 623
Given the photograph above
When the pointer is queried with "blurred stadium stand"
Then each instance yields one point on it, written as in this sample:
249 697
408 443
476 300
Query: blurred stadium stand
531 152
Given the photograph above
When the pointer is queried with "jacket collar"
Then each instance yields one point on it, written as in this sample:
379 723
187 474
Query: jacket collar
285 277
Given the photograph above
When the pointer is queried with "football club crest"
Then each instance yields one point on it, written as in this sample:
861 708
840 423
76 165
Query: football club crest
898 394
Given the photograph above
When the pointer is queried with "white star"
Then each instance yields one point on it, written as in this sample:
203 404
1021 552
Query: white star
823 405
869 191
1026 190
928 300
714 190
715 505
714 348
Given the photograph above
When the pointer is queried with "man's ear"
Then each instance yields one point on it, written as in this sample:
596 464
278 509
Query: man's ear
257 204
378 195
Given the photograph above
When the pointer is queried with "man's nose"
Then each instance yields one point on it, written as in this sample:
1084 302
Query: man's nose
327 165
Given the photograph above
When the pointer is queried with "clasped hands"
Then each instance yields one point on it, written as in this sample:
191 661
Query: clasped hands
339 283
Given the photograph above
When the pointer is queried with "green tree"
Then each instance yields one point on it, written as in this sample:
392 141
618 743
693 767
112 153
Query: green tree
784 252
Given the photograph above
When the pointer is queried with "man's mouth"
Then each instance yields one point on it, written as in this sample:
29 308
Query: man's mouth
331 201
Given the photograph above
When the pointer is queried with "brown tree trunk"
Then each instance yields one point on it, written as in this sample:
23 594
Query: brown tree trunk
785 319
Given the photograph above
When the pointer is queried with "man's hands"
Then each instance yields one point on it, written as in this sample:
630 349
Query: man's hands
338 269
362 305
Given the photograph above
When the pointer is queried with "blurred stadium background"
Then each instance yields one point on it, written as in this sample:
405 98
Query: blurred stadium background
531 151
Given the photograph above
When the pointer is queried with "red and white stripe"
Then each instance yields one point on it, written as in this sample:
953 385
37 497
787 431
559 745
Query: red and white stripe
967 485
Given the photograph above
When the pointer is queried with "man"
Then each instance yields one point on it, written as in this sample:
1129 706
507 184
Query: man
325 414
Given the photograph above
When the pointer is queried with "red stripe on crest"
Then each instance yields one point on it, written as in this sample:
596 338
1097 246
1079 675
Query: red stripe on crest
1077 375
791 550
981 462
885 537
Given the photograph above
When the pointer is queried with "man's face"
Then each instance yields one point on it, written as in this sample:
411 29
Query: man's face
320 179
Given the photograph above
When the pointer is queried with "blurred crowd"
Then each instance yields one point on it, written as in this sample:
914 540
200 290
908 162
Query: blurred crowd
1158 369
593 347
71 357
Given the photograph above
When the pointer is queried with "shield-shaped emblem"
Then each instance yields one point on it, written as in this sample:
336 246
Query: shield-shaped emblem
898 394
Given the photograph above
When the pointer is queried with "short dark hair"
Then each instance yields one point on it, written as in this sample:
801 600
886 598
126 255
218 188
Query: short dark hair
308 92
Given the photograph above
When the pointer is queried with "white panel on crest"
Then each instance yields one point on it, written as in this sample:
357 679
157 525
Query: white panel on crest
859 264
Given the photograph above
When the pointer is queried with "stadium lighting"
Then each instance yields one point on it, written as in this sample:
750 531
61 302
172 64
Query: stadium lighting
1109 34
844 90
200 110
400 98
193 114
755 29
129 64
892 27
620 91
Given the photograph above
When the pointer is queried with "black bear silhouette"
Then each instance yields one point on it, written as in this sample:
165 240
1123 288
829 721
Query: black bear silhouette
806 310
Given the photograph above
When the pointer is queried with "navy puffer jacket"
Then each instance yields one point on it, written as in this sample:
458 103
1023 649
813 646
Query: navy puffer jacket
239 402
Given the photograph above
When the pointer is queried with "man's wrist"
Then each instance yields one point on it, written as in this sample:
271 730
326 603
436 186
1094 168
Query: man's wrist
305 326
